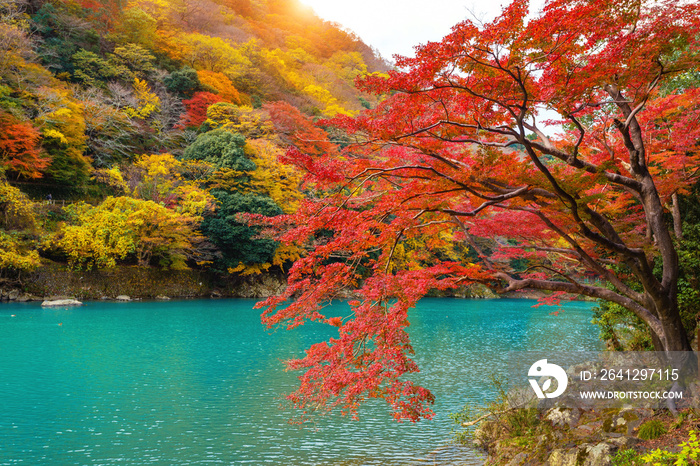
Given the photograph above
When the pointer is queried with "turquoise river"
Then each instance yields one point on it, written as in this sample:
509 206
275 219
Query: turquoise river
200 382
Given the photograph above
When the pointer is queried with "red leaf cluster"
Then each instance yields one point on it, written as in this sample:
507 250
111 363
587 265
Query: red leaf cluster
197 108
20 151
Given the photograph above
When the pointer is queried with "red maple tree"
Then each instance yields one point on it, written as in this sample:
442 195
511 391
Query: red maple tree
197 108
20 150
457 154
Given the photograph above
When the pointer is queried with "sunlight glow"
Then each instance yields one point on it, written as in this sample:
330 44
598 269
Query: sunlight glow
396 27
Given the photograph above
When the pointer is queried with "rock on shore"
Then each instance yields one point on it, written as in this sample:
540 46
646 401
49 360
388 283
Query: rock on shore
61 302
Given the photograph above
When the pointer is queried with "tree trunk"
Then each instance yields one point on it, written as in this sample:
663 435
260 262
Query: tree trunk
674 336
677 223
677 337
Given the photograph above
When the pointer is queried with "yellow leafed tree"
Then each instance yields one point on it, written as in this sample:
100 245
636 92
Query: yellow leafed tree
164 179
147 103
122 226
13 257
279 181
18 211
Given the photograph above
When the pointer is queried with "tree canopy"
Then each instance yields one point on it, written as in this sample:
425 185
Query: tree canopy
460 150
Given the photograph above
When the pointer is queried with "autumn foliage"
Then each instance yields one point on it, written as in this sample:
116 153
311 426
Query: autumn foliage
20 151
457 155
182 121
152 112
197 108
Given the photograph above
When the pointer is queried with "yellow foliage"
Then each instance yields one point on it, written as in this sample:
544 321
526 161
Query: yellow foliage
334 108
324 96
147 102
348 65
121 226
194 201
298 55
245 120
100 238
18 211
255 269
319 93
11 256
222 114
279 181
162 232
115 175
159 178
157 9
158 166
203 52
110 177
418 247
59 111
61 117
52 133
229 180
286 254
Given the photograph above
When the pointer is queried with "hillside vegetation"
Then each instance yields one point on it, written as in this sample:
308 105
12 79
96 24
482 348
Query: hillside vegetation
137 132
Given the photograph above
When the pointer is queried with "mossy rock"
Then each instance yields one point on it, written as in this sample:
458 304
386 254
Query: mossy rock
630 416
614 423
584 455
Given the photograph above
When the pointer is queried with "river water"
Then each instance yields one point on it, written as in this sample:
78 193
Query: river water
200 382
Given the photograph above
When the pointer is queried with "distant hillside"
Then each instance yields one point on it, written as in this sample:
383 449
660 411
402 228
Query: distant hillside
84 58
159 114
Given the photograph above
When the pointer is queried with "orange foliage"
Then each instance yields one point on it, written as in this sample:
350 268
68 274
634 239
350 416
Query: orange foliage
20 152
221 83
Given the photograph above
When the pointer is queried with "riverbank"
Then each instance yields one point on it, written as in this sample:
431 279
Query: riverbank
586 438
54 279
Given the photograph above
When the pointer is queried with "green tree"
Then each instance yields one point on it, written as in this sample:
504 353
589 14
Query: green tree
183 82
93 70
222 149
137 59
621 329
236 240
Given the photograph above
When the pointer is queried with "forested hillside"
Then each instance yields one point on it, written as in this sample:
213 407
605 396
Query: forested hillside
136 132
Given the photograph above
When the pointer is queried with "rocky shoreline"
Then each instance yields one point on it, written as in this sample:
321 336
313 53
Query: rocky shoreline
526 431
